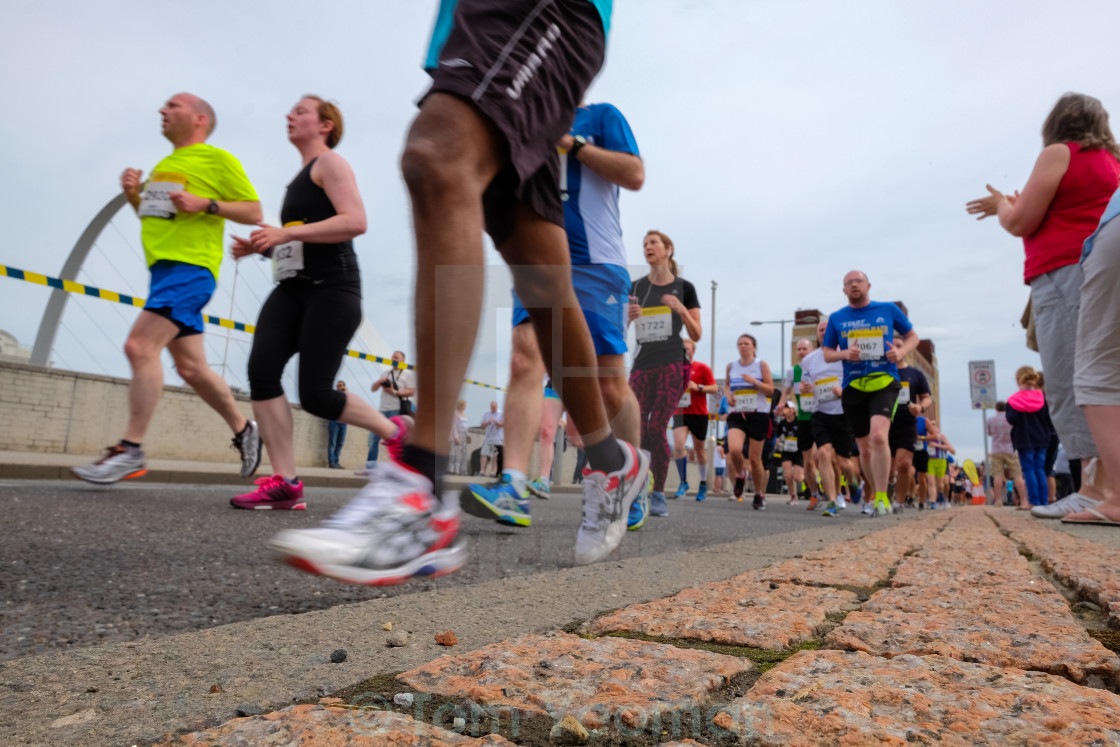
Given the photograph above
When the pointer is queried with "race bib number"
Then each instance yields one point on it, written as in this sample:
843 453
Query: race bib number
746 400
287 259
822 389
808 403
869 342
654 325
904 394
155 200
790 445
686 401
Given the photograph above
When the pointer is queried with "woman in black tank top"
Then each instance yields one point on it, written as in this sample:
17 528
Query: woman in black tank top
315 307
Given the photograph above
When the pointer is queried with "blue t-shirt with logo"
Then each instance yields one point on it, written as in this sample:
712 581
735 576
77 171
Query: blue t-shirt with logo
445 21
876 318
591 216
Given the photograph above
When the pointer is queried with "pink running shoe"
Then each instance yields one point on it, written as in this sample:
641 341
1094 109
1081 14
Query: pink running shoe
272 494
396 443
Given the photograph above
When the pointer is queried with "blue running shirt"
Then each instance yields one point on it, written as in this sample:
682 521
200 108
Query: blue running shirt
445 21
591 216
870 327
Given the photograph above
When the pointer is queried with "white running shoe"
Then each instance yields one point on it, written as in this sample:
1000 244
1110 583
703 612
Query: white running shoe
841 504
394 529
606 505
867 509
116 465
1071 504
247 443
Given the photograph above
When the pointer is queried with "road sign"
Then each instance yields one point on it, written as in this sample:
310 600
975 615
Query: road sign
982 384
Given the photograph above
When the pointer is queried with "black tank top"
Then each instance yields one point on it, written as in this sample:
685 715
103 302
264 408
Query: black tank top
306 201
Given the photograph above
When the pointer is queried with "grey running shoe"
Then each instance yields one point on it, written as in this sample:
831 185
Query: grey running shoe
248 444
116 465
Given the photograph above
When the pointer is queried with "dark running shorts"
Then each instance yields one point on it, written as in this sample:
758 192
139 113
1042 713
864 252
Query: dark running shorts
921 461
832 430
525 64
861 406
697 425
755 424
804 435
795 458
903 436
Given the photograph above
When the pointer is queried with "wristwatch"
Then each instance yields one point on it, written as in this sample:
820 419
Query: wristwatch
579 142
212 208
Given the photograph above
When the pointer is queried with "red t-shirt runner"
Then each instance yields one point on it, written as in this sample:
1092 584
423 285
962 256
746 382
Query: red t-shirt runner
698 404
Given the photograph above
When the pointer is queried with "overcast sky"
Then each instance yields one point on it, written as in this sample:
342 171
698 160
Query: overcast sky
785 142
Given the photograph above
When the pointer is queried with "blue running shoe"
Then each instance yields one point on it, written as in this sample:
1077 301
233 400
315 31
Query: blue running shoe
857 494
831 510
498 501
540 488
639 512
682 491
703 492
657 504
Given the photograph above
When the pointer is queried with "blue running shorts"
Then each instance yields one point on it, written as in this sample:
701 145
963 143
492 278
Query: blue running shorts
604 295
178 293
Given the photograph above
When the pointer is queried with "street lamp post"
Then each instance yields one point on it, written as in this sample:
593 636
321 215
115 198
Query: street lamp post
713 427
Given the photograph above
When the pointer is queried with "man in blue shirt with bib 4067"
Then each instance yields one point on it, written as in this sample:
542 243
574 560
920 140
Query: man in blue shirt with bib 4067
862 336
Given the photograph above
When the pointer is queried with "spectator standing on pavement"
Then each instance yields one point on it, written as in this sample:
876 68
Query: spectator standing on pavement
1005 464
495 437
336 435
1063 479
1031 430
397 387
1097 365
460 440
1061 204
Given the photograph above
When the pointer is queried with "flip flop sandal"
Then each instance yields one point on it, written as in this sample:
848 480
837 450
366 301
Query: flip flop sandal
1101 519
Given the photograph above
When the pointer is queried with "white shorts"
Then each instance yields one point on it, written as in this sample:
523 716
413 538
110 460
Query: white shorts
490 449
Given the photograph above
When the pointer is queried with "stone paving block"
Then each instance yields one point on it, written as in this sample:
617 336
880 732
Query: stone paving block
1026 639
857 571
923 571
1088 567
733 613
596 681
326 726
839 698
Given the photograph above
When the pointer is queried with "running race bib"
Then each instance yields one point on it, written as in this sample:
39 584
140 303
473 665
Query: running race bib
287 259
822 389
808 403
654 325
155 200
686 401
904 394
746 400
790 446
869 342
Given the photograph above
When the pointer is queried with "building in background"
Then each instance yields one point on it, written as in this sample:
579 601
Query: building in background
10 351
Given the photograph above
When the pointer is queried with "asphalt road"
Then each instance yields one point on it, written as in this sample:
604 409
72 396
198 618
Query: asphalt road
81 565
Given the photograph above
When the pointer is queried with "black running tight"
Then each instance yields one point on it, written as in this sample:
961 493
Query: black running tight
316 321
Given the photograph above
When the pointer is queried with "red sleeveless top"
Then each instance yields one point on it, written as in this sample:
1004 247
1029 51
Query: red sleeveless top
1082 196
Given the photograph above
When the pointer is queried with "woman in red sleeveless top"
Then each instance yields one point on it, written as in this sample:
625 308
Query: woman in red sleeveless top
1068 190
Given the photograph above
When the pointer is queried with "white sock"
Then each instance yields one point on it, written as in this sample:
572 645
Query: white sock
519 480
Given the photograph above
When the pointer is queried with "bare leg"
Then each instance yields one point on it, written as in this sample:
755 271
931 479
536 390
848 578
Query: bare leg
537 253
546 441
825 456
149 336
525 399
190 360
877 446
758 471
451 155
903 462
1104 422
736 462
619 399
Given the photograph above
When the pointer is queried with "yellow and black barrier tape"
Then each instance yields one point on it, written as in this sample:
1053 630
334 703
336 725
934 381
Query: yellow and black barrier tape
71 286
